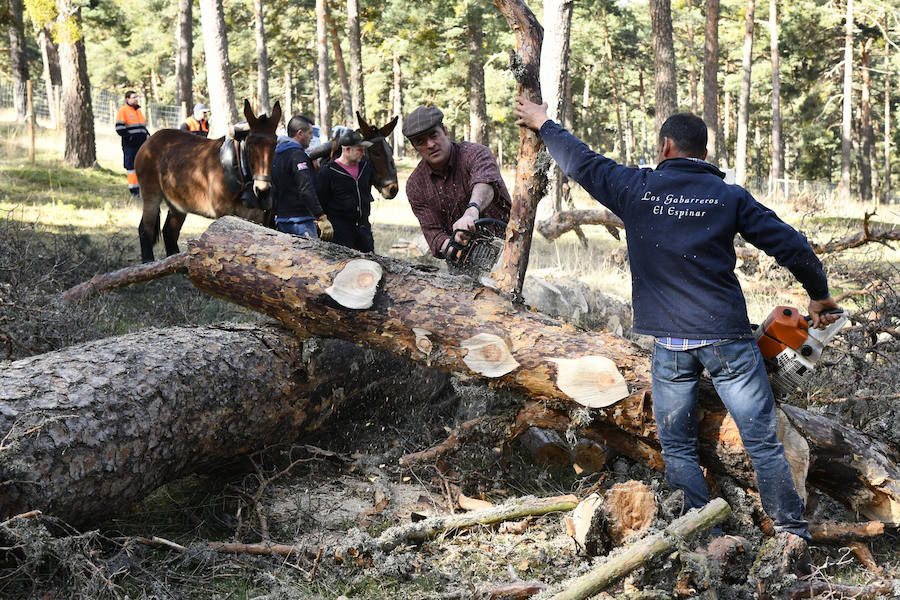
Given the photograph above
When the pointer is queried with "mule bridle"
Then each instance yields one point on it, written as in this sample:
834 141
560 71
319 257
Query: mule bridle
245 156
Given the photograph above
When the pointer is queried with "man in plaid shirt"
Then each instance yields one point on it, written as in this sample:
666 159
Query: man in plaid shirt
454 184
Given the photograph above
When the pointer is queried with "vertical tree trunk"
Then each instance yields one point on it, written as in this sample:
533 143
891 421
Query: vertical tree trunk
184 61
740 163
726 128
81 148
357 91
223 113
843 192
322 46
887 120
477 101
663 61
711 81
17 57
530 181
262 60
649 144
614 84
866 133
554 67
397 94
346 100
52 76
288 92
585 124
692 57
776 172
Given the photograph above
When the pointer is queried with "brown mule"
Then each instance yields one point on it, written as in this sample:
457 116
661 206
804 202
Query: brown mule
185 171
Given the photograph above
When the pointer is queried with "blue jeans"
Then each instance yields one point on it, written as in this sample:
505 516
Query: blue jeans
301 228
738 372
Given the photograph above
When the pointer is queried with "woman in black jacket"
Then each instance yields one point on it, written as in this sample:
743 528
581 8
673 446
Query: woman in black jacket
345 190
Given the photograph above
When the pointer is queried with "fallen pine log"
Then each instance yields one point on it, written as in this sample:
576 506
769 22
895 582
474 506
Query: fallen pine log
91 430
454 324
830 532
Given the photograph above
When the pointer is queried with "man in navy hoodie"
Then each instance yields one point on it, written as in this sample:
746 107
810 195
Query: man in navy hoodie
345 188
297 207
680 222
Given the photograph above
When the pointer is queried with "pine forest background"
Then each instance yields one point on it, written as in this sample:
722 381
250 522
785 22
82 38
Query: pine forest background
455 54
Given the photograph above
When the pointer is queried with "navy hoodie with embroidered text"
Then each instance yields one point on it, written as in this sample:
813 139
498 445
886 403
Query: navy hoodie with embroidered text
680 222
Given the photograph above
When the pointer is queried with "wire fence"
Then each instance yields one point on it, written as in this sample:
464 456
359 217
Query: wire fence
105 104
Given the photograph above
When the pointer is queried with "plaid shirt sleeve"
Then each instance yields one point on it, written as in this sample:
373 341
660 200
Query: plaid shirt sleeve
427 210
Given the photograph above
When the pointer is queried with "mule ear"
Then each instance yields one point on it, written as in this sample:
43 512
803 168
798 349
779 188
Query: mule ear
276 113
387 129
248 113
364 127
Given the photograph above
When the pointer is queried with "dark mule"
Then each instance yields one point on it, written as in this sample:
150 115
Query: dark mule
185 171
379 154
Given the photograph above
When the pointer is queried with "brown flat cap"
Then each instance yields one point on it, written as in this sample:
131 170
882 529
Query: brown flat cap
421 120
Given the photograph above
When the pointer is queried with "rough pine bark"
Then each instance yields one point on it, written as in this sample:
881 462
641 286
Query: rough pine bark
743 128
262 59
184 61
887 124
530 181
357 90
81 148
17 57
477 101
324 112
397 105
663 61
92 429
223 113
711 81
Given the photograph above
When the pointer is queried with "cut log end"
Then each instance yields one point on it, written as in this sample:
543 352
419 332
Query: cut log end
356 284
488 355
593 381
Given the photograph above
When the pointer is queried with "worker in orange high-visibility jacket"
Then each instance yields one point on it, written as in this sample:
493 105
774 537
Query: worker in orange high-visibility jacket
131 125
198 123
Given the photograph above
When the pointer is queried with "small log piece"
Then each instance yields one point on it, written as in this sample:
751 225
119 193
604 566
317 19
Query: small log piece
546 447
832 532
630 508
864 556
777 558
588 457
587 526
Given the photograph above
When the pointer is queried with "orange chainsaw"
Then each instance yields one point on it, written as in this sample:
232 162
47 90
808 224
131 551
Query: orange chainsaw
791 348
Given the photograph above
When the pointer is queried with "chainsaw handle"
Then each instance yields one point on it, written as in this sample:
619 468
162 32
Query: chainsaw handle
830 311
490 221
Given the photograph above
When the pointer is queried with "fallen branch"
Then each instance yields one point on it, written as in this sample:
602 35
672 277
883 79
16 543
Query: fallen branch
453 440
105 282
434 526
26 515
864 556
512 591
812 589
831 532
572 220
645 550
867 235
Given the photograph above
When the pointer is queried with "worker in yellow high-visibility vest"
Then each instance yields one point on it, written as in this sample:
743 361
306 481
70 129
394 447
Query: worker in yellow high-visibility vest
131 125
